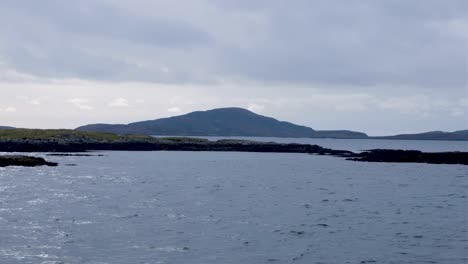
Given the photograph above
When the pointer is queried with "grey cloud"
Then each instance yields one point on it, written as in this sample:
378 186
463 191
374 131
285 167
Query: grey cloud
92 40
360 43
370 43
97 18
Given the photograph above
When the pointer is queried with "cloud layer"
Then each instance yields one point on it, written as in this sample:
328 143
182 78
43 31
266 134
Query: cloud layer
420 43
379 58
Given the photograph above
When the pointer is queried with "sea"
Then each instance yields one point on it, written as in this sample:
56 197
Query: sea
236 208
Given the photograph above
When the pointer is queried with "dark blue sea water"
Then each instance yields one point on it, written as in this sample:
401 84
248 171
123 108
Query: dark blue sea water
205 207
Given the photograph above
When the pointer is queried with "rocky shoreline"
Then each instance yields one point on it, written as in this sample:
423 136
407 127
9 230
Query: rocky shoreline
74 142
411 156
25 161
376 155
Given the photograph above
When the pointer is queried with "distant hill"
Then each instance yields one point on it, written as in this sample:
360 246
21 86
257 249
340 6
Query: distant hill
433 135
6 127
220 122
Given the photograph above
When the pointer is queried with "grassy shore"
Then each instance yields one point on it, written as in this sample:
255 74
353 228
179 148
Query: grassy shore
64 135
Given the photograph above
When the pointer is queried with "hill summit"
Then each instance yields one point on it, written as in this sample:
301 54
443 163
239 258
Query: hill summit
230 121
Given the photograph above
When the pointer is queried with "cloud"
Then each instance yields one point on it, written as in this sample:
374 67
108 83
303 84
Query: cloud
174 109
327 43
329 64
318 108
255 107
119 102
9 109
34 101
12 75
81 103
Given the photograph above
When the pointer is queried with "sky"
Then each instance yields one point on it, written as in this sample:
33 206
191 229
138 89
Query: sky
376 66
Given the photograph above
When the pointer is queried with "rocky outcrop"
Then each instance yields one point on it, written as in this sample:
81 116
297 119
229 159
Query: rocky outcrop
411 156
73 155
78 141
27 161
162 144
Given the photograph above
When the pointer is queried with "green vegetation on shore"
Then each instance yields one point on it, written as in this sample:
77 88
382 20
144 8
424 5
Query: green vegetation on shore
65 135
35 140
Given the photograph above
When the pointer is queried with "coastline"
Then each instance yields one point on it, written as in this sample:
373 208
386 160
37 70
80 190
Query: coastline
68 141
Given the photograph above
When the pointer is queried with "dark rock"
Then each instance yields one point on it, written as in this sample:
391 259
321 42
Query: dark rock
297 232
413 156
73 155
26 161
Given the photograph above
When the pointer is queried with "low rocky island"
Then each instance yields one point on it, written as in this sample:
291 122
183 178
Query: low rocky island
411 156
26 161
30 140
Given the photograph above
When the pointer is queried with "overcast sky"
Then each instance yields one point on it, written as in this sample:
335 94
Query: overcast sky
376 66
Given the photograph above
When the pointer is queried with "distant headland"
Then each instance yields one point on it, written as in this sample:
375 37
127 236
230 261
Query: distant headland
231 122
220 122
239 122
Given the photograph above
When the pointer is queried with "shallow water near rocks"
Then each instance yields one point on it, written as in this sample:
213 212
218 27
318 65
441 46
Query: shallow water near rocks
205 207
